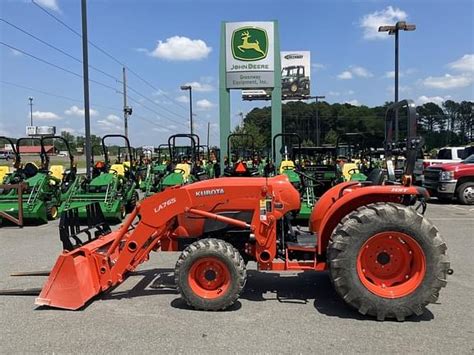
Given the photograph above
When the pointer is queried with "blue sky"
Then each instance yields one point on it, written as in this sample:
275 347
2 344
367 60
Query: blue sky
170 43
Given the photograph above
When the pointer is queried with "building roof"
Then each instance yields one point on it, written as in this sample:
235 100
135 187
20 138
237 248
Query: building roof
35 149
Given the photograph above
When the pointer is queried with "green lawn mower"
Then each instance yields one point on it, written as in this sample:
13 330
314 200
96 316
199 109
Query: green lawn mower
111 185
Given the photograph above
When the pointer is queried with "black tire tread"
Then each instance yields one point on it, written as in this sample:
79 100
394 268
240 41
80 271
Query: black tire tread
226 250
348 229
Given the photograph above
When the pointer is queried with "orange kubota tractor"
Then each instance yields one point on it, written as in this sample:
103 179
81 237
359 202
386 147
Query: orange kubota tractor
384 258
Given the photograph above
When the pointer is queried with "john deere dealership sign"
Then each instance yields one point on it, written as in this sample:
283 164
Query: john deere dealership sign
249 55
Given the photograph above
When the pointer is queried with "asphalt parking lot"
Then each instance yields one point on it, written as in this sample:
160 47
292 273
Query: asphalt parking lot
277 313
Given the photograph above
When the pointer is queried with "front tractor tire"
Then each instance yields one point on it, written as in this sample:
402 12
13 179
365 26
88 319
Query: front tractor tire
388 261
210 274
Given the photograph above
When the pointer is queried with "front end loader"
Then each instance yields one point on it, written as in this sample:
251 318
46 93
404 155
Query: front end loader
384 258
111 185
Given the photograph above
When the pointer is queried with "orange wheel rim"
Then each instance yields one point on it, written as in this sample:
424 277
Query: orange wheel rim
209 278
391 264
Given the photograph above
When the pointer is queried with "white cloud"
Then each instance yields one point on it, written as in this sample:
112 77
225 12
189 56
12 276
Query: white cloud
181 48
183 99
345 75
361 72
45 116
161 129
350 92
370 23
449 81
334 93
436 99
200 87
390 74
68 130
463 64
204 104
76 111
354 71
353 102
50 4
113 118
318 66
159 92
15 53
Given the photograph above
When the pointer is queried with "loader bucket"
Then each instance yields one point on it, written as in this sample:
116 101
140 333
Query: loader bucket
72 282
74 279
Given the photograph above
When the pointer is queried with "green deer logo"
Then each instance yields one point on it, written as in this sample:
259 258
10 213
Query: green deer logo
249 43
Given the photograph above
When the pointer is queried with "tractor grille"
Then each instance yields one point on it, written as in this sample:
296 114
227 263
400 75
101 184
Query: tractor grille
432 177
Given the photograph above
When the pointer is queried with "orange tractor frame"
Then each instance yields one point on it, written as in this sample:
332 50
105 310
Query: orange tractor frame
384 258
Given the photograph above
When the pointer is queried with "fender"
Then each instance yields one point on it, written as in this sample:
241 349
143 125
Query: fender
344 198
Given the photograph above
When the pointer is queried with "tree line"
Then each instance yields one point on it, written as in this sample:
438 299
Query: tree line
452 123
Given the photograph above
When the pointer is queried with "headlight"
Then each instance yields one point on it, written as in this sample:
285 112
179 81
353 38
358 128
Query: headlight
446 175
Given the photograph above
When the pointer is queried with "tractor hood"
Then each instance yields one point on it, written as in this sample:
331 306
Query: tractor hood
102 179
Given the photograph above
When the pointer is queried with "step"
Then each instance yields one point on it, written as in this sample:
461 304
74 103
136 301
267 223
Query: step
305 242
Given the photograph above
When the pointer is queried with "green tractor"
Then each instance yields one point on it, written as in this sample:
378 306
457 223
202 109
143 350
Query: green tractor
156 169
351 156
111 185
184 167
242 158
42 195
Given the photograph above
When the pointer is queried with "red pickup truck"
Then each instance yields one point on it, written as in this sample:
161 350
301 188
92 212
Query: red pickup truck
450 180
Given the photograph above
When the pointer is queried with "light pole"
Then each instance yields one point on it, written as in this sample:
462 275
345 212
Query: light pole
189 87
393 30
31 110
318 125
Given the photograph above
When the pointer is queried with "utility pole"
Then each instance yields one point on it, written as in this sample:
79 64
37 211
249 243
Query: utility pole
189 87
31 110
127 110
85 69
393 30
208 130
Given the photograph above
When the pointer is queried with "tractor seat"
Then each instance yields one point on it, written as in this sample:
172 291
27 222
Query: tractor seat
286 165
119 168
346 168
183 167
376 176
4 170
30 170
57 171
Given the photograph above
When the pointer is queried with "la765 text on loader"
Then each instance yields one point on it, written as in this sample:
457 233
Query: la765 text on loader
384 258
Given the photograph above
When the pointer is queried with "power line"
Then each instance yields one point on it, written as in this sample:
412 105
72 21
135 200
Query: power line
152 110
57 66
103 51
80 61
112 109
153 102
57 49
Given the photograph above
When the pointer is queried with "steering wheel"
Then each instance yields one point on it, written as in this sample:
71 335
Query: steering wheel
353 171
179 171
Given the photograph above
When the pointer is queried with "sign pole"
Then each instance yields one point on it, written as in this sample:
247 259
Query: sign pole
276 96
224 100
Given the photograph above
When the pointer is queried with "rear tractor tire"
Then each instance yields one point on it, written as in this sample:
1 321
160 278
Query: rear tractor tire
386 260
210 274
